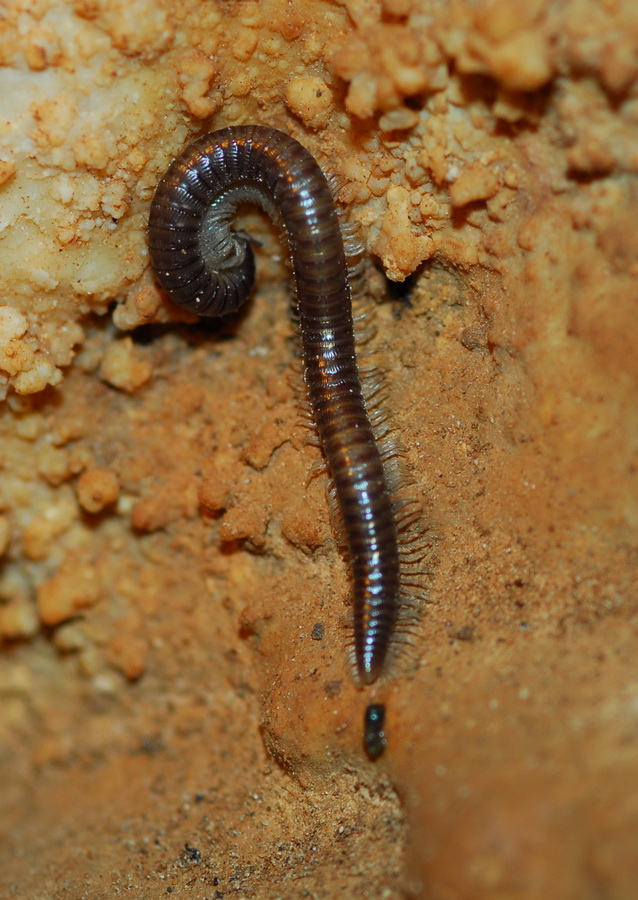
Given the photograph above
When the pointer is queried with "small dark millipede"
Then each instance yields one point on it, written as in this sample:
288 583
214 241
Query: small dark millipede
209 269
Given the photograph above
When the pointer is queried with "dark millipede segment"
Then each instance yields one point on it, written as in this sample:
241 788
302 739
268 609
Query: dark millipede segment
374 739
210 270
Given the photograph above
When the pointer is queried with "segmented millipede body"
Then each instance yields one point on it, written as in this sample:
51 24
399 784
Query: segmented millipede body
209 269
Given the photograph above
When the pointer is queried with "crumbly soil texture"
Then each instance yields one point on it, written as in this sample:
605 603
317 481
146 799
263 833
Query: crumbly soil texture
178 712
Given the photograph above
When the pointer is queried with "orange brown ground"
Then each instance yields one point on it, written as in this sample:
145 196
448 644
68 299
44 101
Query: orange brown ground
168 723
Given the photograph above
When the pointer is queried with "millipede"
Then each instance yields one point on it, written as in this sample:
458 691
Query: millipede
209 269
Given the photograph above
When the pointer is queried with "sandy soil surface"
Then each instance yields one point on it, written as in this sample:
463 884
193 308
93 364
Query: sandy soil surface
177 711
